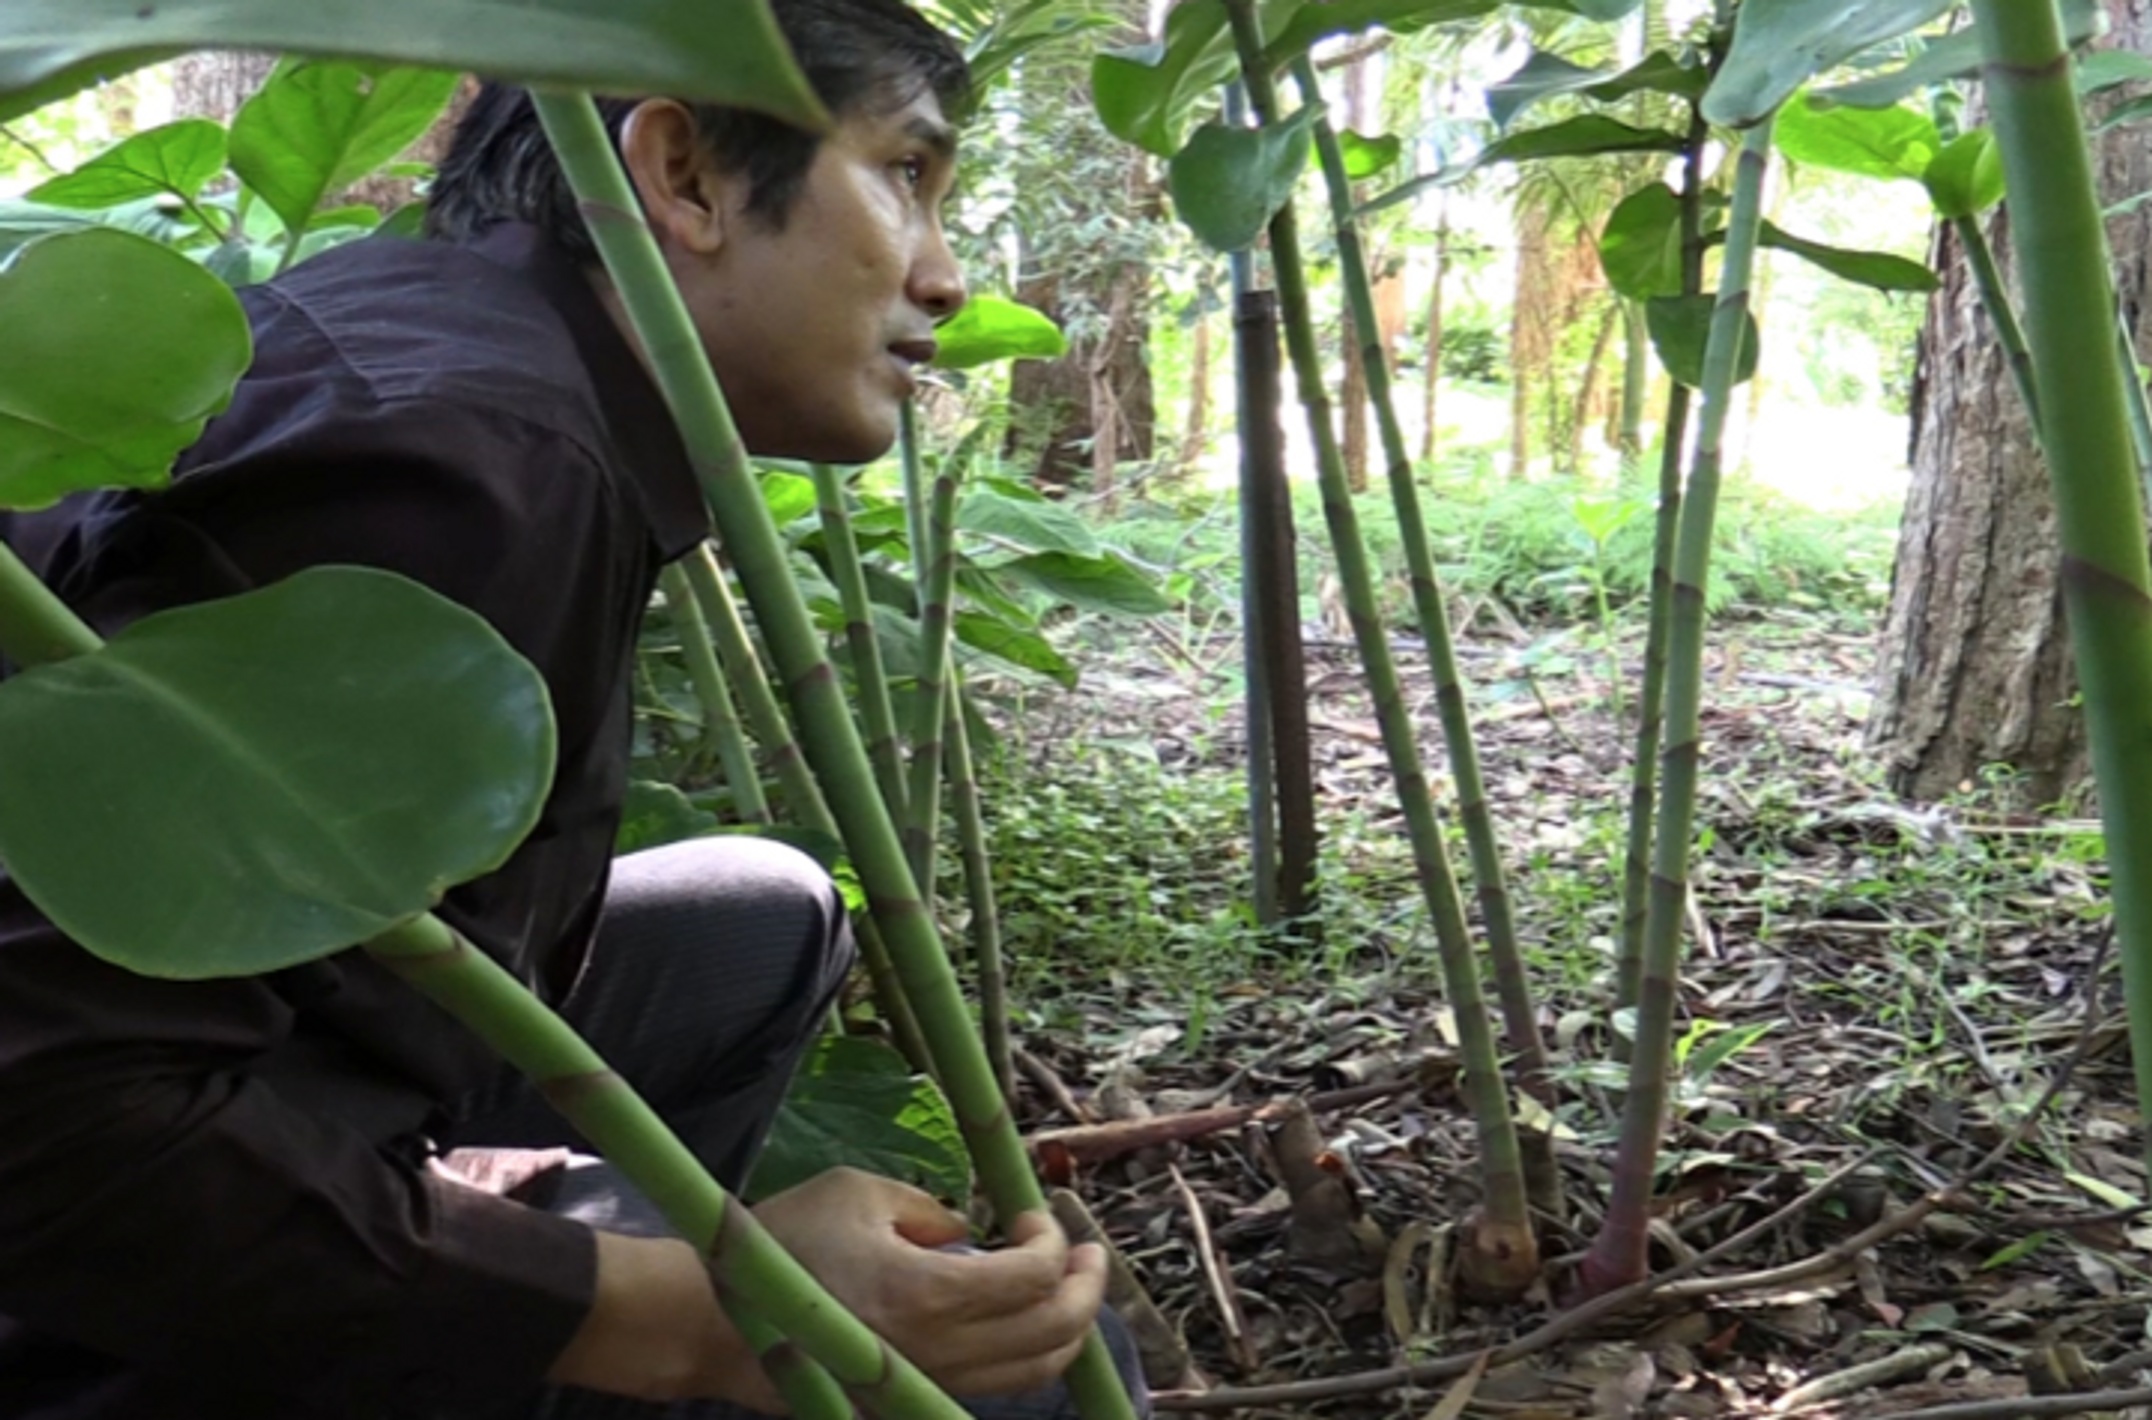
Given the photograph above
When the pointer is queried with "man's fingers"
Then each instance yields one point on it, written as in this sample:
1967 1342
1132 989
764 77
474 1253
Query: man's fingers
1014 1377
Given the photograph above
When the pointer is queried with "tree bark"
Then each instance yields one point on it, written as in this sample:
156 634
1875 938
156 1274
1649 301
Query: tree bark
1352 395
213 83
1976 667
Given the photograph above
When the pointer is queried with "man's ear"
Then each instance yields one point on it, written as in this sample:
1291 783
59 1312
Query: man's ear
683 197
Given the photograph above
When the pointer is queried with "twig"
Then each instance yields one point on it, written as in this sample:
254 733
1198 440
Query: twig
1096 1143
1853 1379
1536 1340
2032 1407
1051 1085
1214 1271
27 146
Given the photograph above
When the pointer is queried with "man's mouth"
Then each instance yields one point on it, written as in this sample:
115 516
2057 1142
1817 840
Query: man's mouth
914 352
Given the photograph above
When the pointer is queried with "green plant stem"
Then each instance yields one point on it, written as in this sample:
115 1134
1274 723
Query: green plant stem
770 1296
752 1275
36 627
1520 1017
934 574
867 670
1651 697
2065 274
2134 401
1501 1161
721 723
1619 1254
1995 300
965 806
767 719
831 739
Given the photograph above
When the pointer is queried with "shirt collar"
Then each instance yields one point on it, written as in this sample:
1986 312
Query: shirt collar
641 426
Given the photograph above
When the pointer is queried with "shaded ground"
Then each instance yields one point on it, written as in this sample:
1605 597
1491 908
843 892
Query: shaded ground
1868 983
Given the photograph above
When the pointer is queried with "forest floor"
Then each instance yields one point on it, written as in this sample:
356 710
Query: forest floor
1875 996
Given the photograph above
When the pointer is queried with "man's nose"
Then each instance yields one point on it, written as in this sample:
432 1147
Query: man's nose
937 284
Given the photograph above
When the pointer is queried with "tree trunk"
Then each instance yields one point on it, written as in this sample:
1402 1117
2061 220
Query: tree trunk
1976 667
1428 442
213 83
1195 433
1352 396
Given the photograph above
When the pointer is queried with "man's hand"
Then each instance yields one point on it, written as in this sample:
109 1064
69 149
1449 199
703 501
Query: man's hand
978 1323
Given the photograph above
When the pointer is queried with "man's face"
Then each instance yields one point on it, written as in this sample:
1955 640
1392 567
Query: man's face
818 328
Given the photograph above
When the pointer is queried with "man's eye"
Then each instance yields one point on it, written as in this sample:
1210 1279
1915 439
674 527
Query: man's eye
914 170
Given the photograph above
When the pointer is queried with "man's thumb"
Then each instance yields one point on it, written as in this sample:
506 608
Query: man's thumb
920 1219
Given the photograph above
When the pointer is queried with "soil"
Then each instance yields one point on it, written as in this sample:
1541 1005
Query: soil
1904 983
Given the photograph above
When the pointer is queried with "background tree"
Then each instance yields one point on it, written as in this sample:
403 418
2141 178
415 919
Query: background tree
1976 665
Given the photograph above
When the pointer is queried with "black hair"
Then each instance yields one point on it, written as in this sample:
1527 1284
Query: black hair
855 53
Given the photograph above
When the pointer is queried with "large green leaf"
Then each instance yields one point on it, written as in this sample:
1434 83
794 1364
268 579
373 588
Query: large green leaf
718 51
1019 526
1966 178
2110 68
1018 645
788 496
1953 56
1365 157
239 786
854 1103
1578 137
1143 93
1779 45
991 328
117 352
1878 269
1880 143
177 158
1680 328
24 222
1102 583
1640 247
319 126
1227 183
654 814
1321 19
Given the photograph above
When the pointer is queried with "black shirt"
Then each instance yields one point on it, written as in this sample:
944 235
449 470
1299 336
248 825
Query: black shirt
210 1189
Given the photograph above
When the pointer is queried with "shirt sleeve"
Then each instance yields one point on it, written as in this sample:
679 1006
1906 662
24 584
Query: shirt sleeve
159 1200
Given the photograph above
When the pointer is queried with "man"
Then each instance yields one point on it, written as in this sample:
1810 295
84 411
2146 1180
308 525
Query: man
259 1198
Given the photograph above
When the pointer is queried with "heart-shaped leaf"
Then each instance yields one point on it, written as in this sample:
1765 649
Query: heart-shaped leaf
24 222
1229 182
1017 645
1640 247
991 328
1680 328
1016 527
1879 143
1100 583
319 126
1966 178
1779 45
855 1103
1143 94
1878 269
728 52
118 351
1579 137
176 158
239 786
1365 157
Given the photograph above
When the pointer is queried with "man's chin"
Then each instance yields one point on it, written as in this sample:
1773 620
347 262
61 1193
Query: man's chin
863 442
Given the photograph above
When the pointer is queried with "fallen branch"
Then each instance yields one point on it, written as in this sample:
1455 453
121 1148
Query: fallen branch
1911 1361
1230 1316
1098 1143
2031 1407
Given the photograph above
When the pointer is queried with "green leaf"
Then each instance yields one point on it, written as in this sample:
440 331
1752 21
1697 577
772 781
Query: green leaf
1640 247
1143 93
1877 269
1018 645
24 222
118 351
2132 112
1365 157
654 814
1321 19
1546 75
1023 525
1966 178
788 496
172 802
1103 583
854 1103
317 127
1680 328
1723 1045
2110 68
991 328
1953 56
1779 45
1229 182
50 48
1879 143
1579 137
177 158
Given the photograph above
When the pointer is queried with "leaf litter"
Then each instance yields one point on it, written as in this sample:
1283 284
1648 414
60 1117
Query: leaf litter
1871 988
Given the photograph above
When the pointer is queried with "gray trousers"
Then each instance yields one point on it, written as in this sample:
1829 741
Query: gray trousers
717 961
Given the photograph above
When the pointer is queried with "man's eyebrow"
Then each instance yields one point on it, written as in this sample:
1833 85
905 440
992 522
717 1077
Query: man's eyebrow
938 136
